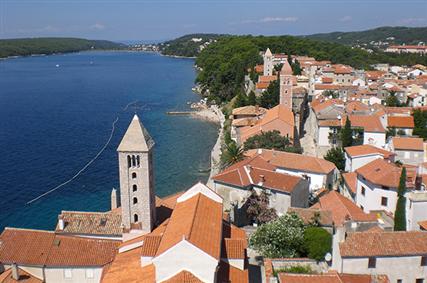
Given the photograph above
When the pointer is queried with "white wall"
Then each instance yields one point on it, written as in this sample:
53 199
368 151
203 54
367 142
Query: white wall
376 139
416 210
56 275
317 181
352 164
407 268
323 138
372 198
185 256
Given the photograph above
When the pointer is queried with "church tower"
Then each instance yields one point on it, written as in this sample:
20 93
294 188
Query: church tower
136 178
268 63
286 85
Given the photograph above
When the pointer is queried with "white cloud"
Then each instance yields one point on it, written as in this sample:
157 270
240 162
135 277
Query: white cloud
97 26
346 19
409 21
269 20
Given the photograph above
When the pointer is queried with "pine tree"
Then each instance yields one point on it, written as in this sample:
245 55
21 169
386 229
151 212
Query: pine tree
336 156
251 98
240 100
347 134
400 215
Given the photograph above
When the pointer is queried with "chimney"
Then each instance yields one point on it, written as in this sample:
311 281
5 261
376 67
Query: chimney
15 273
60 223
261 180
256 109
113 199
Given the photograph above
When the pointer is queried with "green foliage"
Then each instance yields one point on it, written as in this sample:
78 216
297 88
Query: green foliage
240 101
283 237
347 134
317 242
252 99
420 121
392 100
399 214
296 68
271 96
51 45
298 269
258 208
231 154
336 156
330 93
270 140
408 35
391 132
185 46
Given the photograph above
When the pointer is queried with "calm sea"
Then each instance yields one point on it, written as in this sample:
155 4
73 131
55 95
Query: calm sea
56 113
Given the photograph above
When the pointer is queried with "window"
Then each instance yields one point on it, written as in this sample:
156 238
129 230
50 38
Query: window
424 261
134 188
135 218
385 188
399 280
135 200
129 162
137 160
363 191
383 201
133 161
68 274
89 273
419 280
372 262
133 175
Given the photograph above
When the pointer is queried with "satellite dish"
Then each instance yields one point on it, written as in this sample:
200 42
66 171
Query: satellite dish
328 257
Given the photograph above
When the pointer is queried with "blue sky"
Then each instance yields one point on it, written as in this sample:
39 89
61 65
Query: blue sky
159 20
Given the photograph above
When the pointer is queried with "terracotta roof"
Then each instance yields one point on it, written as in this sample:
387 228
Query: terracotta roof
307 214
294 161
94 223
374 75
355 106
350 180
257 171
423 224
369 123
231 274
402 143
249 110
326 87
24 277
259 69
362 244
232 232
381 172
367 149
401 122
126 267
234 249
264 79
330 278
183 277
343 209
32 247
343 70
150 245
263 85
199 221
327 80
278 118
286 69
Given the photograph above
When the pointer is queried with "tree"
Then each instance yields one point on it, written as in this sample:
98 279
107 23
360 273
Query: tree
392 100
240 100
258 208
400 214
231 154
336 156
251 98
347 134
271 96
296 68
283 237
420 121
317 242
391 132
269 140
330 93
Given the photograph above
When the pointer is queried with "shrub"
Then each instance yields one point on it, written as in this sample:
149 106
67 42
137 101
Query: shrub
317 242
300 269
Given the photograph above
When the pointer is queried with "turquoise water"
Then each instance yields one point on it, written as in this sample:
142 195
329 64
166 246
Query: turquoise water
53 120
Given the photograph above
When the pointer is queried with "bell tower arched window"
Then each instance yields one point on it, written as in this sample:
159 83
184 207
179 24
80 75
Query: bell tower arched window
135 218
129 161
135 200
134 188
134 175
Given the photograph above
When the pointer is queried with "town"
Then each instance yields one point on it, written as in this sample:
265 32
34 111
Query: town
322 178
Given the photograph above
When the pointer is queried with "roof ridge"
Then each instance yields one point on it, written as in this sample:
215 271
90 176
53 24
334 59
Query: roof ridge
194 215
29 229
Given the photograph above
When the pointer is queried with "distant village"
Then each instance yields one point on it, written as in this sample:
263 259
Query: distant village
350 207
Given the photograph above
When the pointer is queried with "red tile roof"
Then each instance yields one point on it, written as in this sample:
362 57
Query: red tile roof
183 277
32 247
24 277
401 122
294 161
330 278
381 172
350 180
234 249
231 274
365 244
369 123
366 149
402 143
343 209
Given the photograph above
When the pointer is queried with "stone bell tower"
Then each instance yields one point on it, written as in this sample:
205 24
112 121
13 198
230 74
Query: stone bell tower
286 85
136 178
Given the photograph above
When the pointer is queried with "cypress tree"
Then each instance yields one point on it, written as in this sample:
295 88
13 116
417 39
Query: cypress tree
400 214
347 134
251 98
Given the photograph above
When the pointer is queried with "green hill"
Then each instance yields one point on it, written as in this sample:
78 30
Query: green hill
388 35
188 45
51 45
